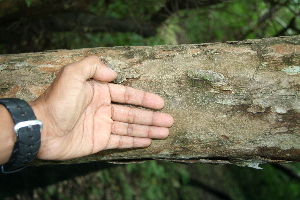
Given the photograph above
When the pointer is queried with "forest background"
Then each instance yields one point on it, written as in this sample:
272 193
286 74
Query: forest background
39 25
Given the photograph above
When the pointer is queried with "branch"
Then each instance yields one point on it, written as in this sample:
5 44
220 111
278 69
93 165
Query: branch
235 102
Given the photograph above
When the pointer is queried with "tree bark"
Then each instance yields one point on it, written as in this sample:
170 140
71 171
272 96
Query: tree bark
234 102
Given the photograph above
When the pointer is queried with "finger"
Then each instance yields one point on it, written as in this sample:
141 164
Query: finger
123 142
125 129
128 95
133 115
91 67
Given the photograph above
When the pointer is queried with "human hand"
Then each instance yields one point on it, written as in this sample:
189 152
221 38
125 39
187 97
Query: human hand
80 119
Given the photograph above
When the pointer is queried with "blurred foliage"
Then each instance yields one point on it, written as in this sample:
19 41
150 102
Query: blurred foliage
28 2
236 20
154 180
233 20
151 180
269 183
127 8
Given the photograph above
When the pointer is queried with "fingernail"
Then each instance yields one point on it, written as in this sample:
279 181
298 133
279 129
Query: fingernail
109 67
112 70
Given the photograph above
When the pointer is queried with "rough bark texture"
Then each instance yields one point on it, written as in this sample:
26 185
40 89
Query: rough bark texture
233 102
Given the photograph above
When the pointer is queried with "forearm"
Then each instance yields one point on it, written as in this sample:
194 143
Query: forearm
7 135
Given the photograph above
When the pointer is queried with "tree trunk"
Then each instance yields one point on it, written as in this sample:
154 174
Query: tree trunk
233 102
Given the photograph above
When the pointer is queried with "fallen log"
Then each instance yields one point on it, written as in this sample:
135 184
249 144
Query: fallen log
233 102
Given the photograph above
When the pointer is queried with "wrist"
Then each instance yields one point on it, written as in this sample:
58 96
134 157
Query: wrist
7 135
27 131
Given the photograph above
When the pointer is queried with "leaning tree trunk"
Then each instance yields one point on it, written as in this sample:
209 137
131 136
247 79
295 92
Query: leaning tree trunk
233 102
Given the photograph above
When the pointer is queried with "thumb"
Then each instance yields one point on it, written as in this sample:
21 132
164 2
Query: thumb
92 67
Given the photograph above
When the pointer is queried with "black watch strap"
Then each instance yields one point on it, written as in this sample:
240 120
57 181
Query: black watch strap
28 132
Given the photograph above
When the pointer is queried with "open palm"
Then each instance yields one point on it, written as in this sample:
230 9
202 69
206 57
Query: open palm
80 119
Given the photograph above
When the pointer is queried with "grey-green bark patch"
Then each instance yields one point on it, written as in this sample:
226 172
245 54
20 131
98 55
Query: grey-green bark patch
210 77
3 66
292 70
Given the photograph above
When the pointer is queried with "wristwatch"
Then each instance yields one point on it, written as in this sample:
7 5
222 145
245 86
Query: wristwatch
28 131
